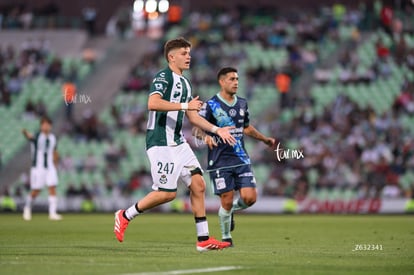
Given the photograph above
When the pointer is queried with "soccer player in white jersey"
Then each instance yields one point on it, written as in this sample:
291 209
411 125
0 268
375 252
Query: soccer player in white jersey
229 165
172 160
43 172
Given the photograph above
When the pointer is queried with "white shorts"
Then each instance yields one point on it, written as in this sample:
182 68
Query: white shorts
40 177
172 164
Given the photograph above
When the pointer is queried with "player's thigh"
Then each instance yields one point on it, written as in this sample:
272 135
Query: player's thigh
244 177
37 178
165 170
51 177
191 173
222 181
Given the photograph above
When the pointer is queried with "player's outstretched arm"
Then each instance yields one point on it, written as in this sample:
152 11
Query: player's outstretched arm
202 135
27 134
254 133
157 103
223 133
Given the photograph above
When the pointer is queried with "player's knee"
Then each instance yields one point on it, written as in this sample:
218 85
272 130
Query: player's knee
227 205
249 200
199 188
227 200
169 196
197 184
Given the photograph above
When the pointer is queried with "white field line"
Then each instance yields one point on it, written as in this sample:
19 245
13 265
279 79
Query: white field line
189 271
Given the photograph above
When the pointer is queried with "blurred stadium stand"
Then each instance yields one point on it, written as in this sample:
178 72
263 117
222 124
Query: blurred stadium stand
349 107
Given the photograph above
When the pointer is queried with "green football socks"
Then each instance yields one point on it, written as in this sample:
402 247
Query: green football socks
225 220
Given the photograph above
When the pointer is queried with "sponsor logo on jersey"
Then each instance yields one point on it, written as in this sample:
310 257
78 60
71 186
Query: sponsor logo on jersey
178 85
232 112
176 94
159 86
241 112
160 79
247 174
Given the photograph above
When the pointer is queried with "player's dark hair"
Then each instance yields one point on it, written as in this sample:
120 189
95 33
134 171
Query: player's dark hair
177 43
46 119
224 71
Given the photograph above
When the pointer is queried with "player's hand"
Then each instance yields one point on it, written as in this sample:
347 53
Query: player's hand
226 136
210 141
269 141
195 104
26 133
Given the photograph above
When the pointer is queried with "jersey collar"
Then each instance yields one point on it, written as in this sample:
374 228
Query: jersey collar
226 102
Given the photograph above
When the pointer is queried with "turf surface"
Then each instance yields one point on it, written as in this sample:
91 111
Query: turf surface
162 243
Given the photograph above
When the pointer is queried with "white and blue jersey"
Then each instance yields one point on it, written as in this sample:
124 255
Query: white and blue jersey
220 113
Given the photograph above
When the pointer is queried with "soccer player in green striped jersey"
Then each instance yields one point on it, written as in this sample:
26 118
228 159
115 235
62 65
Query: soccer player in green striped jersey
172 160
43 171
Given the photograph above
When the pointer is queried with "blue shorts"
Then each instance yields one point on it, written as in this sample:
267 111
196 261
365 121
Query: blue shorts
233 178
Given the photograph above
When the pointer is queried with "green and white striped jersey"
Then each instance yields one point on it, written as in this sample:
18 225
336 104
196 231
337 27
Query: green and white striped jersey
165 128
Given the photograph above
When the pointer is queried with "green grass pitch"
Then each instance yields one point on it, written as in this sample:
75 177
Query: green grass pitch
165 244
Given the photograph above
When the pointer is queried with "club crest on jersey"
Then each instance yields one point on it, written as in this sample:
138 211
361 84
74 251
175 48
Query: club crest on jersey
241 112
163 179
232 113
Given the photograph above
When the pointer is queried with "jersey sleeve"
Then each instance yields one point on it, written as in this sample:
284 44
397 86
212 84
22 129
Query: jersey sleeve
159 84
206 111
34 138
246 117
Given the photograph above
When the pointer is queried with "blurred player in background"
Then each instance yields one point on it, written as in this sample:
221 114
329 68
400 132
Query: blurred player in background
172 160
229 165
43 171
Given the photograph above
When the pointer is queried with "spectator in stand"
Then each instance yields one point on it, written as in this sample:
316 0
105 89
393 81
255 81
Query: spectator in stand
55 70
386 17
4 94
15 83
26 18
90 163
282 83
89 15
134 182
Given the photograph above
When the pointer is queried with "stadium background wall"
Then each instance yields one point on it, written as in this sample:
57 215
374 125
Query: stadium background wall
105 9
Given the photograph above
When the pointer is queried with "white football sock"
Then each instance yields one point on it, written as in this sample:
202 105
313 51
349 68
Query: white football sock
52 205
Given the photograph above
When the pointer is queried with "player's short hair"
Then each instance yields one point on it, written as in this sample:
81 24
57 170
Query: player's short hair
224 71
177 43
46 119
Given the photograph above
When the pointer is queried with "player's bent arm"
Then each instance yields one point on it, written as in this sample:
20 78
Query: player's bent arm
202 123
254 133
27 134
200 134
156 103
